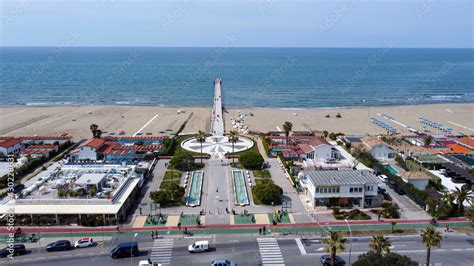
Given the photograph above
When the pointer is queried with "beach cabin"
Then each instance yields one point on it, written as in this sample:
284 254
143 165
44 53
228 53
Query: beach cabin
318 149
380 150
418 179
10 146
88 150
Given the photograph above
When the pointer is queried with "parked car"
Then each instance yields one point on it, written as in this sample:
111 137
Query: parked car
383 178
16 249
199 246
124 250
326 260
392 184
18 188
400 191
149 263
60 245
84 242
223 262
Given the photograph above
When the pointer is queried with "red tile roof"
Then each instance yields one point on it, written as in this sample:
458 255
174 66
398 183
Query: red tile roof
305 148
93 143
316 141
455 149
62 137
34 152
7 143
41 147
135 138
466 141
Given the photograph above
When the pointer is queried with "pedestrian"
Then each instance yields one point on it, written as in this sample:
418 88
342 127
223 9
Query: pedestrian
140 210
179 226
379 216
264 230
118 229
259 231
152 235
156 234
447 228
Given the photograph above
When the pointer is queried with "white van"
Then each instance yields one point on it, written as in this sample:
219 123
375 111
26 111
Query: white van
148 263
199 246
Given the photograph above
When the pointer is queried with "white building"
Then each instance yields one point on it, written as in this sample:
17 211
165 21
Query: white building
380 150
351 188
318 149
88 150
10 146
418 179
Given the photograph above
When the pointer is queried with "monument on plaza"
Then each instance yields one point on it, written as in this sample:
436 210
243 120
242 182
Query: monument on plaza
218 144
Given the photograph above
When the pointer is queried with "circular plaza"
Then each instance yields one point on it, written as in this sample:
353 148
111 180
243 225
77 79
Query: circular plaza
217 145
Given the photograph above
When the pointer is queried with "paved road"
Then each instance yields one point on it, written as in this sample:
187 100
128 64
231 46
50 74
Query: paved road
456 249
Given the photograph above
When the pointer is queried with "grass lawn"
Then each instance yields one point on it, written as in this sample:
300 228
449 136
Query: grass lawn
285 219
255 200
412 166
155 221
262 175
188 219
172 176
243 219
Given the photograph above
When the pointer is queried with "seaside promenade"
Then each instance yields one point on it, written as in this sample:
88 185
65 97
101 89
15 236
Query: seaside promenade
217 118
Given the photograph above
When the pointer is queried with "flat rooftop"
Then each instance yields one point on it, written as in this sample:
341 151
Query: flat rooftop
340 177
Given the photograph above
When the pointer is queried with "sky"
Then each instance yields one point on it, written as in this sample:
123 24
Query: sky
244 23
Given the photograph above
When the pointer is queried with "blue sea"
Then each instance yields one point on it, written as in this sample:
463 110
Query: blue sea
252 77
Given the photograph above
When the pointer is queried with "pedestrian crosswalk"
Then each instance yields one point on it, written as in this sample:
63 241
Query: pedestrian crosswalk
162 251
270 251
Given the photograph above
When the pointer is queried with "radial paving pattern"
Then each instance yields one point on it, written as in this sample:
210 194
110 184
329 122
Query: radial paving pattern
217 145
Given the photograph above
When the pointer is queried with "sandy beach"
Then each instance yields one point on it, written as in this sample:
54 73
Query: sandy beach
75 120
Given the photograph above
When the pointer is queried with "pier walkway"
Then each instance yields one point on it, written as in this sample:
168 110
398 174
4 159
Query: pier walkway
217 121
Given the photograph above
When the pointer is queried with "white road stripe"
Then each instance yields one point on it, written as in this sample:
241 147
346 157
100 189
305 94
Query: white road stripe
162 251
144 126
300 246
270 251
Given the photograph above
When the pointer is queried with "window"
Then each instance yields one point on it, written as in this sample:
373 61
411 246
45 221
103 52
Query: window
351 190
317 190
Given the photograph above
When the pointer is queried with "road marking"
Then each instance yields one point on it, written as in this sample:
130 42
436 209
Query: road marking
300 246
270 251
162 250
456 124
147 123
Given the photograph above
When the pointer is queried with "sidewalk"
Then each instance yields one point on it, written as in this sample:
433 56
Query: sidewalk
244 228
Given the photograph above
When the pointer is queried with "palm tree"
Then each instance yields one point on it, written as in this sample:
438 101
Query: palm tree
335 243
94 128
393 223
462 195
201 138
233 138
325 134
432 239
427 140
287 127
380 244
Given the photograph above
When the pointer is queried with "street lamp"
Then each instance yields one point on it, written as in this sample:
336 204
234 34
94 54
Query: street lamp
131 250
350 240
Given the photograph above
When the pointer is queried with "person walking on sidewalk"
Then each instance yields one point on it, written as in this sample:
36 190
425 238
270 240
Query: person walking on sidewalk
152 234
156 234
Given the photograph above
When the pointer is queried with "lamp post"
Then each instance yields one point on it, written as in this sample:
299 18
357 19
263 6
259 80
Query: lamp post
131 250
350 240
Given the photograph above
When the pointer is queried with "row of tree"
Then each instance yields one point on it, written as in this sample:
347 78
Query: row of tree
379 246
